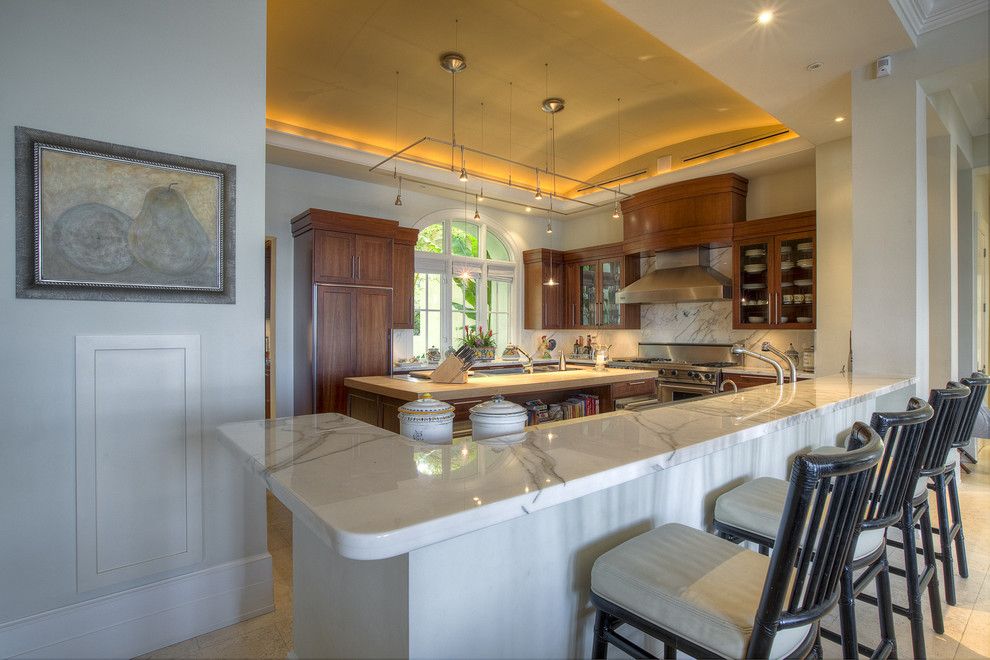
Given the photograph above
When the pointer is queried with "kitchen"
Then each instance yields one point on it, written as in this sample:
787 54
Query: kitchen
677 247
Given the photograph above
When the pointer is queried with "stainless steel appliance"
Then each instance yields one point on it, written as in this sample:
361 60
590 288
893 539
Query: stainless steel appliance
684 371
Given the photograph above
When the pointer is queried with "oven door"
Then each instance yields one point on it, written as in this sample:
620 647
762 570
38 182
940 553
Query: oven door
670 392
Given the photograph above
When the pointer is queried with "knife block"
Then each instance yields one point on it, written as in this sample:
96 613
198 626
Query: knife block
450 370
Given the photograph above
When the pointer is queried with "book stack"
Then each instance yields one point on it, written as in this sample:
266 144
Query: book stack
537 412
581 405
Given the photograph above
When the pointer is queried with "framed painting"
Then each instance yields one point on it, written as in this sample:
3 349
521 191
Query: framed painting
101 221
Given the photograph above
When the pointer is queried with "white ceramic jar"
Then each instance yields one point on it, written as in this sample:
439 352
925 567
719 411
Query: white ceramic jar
428 420
497 417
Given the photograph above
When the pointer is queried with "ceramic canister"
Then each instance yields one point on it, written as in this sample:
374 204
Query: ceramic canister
428 420
497 417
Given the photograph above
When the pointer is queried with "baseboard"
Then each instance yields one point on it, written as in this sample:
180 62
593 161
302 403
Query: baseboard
139 620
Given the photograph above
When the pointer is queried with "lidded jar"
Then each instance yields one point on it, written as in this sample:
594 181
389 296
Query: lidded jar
497 417
428 420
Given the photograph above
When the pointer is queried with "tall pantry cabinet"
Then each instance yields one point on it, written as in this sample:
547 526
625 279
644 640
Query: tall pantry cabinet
346 281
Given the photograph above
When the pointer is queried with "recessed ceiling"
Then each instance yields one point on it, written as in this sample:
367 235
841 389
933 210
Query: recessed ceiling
332 70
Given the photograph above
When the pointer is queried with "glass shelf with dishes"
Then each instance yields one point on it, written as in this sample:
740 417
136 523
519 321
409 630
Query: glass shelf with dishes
753 280
775 282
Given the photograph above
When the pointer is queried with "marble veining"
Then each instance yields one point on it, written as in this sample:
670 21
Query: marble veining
372 494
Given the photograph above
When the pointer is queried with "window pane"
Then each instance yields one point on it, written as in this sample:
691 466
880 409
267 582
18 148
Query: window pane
495 248
464 305
426 312
431 239
499 296
464 238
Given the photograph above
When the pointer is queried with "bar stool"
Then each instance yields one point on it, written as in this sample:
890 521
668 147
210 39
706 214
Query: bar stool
752 512
942 480
709 597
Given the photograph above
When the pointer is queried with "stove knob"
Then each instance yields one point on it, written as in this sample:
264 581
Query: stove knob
663 372
692 374
673 372
706 376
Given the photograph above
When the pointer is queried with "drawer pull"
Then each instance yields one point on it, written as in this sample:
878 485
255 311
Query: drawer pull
637 382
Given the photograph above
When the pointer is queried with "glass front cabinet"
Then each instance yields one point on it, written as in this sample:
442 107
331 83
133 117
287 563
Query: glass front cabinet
774 275
592 285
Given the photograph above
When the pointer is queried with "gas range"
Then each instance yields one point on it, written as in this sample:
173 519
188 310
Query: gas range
699 365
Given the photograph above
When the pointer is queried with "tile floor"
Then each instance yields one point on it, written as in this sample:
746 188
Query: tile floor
967 625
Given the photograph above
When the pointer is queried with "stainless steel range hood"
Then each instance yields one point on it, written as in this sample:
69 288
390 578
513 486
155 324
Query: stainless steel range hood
680 276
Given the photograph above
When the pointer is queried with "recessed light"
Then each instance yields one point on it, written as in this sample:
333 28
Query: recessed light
839 119
765 17
529 209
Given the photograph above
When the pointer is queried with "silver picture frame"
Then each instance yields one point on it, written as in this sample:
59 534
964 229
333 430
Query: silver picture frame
108 222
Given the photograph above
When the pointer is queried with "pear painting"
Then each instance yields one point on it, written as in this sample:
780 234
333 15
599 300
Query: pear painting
100 221
166 236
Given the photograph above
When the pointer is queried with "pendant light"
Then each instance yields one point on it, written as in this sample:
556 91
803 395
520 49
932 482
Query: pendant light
463 176
477 216
395 167
616 213
539 193
481 194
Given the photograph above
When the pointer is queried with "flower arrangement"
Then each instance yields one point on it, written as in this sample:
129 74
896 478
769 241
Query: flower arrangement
477 338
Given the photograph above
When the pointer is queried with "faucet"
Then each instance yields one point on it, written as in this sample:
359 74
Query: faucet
739 350
528 366
791 369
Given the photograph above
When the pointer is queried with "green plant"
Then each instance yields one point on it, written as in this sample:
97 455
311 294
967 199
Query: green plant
477 337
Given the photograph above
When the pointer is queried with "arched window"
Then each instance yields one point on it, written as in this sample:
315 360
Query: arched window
455 260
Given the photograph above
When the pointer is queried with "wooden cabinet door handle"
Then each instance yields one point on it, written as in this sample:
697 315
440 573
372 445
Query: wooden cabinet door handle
358 260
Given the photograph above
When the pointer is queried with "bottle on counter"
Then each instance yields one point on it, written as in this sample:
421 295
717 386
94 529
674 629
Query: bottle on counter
808 359
793 354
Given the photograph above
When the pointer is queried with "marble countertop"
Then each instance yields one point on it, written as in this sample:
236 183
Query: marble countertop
485 386
372 494
761 371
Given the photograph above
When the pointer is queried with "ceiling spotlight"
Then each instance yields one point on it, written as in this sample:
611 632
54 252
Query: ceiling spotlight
463 176
529 209
615 212
549 227
839 119
453 62
481 195
550 282
552 105
765 17
538 195
398 194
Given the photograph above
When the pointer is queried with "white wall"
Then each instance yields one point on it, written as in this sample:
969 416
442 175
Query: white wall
833 169
179 77
290 191
943 346
596 228
780 193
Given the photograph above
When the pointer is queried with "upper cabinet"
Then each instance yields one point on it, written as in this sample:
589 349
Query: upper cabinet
576 289
774 281
544 289
403 277
349 249
592 277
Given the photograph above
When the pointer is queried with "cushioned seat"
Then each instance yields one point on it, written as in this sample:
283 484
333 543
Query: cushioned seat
756 506
705 588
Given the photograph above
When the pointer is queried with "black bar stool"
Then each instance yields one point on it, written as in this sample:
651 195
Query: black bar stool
709 597
750 511
943 482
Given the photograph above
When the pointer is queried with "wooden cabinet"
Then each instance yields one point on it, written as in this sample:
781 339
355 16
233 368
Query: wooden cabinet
543 289
592 277
343 302
353 338
774 279
403 277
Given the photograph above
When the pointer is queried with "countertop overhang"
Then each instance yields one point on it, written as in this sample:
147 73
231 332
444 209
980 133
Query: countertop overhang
372 494
484 386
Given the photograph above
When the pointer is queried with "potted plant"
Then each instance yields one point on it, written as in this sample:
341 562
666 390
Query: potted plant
481 342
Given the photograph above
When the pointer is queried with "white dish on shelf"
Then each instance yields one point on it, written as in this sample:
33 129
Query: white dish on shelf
786 284
806 263
802 282
757 252
803 319
783 319
804 247
755 268
785 249
786 265
757 319
751 287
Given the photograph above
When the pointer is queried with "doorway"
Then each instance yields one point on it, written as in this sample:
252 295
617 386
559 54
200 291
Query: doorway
269 327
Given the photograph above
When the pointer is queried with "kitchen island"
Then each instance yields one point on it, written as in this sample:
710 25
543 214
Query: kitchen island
484 549
376 399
